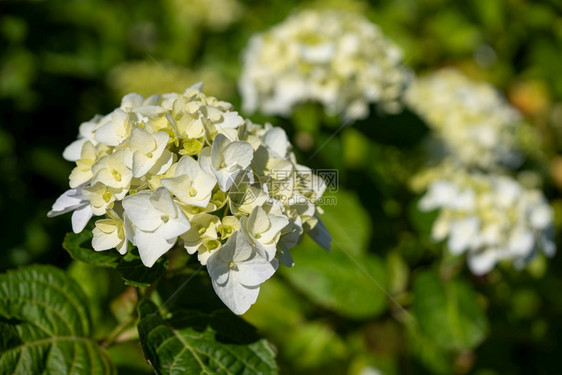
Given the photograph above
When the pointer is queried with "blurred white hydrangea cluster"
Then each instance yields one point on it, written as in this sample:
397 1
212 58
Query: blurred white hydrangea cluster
490 218
186 170
476 124
336 58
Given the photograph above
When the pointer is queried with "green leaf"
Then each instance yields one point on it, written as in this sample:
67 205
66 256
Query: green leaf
350 285
78 246
422 221
307 117
192 342
355 147
129 358
448 313
130 266
347 220
278 309
99 285
314 344
45 325
135 273
398 272
431 355
172 290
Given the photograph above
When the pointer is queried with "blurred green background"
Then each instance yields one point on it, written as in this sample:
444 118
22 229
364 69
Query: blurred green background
389 299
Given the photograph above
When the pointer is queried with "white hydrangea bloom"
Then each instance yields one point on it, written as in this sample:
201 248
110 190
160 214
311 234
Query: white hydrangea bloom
263 230
472 119
146 150
187 170
203 236
157 221
226 159
237 271
490 218
110 233
190 184
336 58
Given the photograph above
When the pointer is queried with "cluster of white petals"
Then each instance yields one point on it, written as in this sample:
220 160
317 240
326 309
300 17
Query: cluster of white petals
336 58
475 123
187 170
490 218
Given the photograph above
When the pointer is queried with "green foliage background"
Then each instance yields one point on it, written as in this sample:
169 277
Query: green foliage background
385 297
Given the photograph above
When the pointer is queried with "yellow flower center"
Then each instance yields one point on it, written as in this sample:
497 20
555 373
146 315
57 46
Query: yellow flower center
212 245
107 196
116 175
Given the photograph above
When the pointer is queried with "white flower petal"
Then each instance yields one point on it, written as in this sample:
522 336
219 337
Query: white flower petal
104 241
238 153
141 212
68 201
254 273
205 160
80 218
482 262
174 227
258 221
231 120
463 234
151 246
236 297
73 151
162 201
277 142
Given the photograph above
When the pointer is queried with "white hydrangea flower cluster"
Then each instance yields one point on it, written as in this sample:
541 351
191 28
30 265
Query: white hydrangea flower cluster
472 119
186 169
490 218
336 58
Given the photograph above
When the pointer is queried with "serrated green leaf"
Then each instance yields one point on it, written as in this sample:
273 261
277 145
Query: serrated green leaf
130 266
448 313
192 342
45 325
333 280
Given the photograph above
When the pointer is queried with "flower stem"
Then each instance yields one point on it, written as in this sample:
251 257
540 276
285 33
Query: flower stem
117 331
